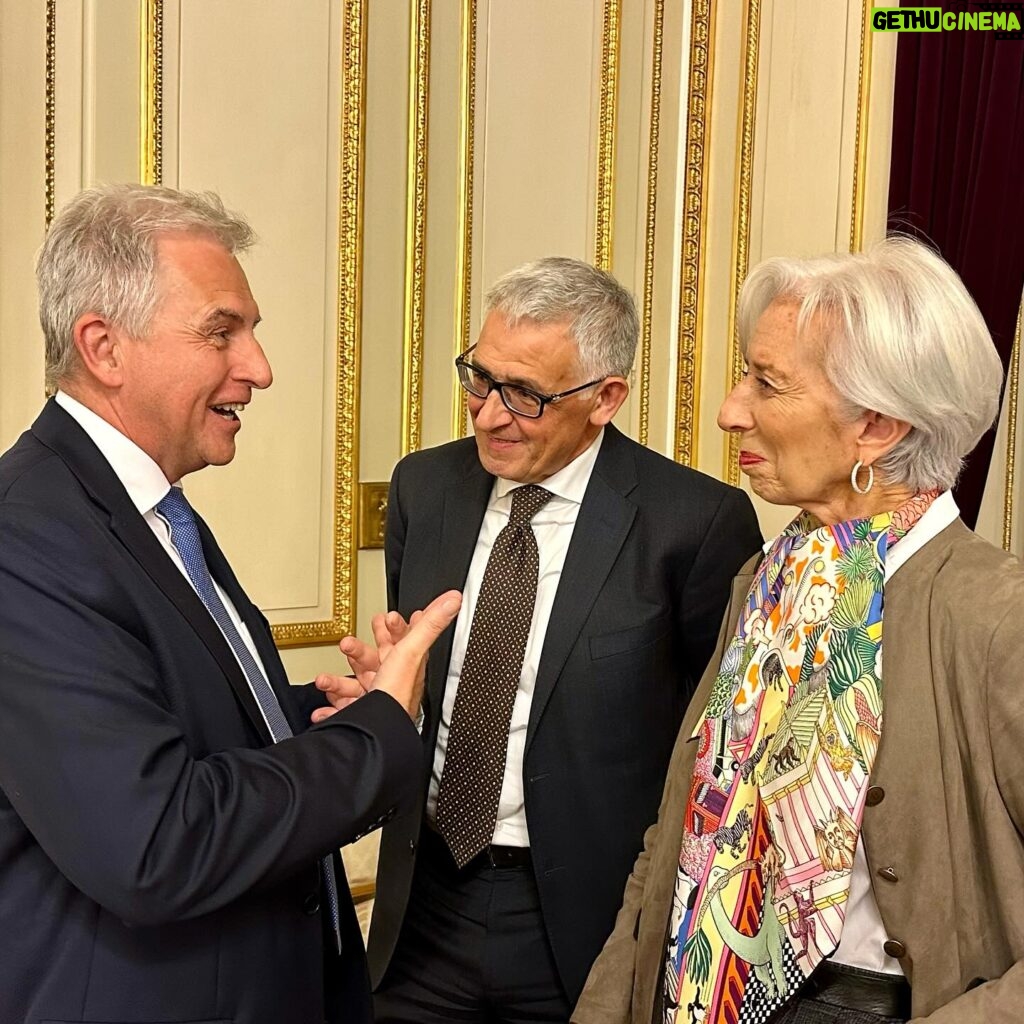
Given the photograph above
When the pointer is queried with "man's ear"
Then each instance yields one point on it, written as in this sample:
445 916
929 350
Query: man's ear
879 435
100 349
611 394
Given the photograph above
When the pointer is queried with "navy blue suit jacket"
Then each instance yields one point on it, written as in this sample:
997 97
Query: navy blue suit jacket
158 854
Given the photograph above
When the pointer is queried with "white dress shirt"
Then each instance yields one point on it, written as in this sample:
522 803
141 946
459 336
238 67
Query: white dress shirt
146 485
860 944
553 526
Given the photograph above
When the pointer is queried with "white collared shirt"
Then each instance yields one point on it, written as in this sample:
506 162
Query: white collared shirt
553 527
146 485
860 944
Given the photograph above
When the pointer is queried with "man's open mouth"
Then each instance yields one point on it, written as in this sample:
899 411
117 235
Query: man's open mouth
229 410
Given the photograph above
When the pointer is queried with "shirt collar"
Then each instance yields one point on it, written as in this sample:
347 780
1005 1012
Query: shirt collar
142 478
570 482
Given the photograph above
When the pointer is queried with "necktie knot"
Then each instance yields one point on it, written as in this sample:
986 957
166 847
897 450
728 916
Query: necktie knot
174 507
527 502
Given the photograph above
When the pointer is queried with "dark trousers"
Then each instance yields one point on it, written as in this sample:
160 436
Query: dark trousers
472 948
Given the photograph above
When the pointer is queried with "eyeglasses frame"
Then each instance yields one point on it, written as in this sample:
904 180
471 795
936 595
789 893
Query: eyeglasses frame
500 385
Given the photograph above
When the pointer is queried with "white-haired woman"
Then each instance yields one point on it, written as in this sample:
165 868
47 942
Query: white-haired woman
840 836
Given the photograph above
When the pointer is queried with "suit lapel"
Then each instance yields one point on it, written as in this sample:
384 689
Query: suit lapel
59 432
221 571
464 505
605 519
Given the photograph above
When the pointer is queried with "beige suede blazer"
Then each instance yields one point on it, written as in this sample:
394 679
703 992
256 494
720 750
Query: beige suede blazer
949 827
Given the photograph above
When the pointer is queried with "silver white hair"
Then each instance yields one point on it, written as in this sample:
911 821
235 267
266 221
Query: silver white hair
100 257
601 314
900 335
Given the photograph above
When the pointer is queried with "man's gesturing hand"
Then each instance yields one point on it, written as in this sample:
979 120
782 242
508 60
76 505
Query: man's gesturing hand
397 664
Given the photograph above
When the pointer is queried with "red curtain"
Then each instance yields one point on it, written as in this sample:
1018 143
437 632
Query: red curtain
957 176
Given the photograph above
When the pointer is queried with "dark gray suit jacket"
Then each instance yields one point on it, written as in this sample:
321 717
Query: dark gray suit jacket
158 855
634 622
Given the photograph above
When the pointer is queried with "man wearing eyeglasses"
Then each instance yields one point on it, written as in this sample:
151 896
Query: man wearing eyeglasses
594 574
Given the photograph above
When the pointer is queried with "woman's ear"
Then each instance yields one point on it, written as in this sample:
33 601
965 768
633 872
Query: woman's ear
879 435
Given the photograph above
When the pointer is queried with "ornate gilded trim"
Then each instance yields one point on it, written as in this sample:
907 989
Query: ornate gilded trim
741 237
50 106
1013 394
350 272
415 227
151 112
861 138
464 255
604 218
651 222
702 45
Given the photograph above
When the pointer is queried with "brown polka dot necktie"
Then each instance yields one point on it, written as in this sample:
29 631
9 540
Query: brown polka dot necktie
474 764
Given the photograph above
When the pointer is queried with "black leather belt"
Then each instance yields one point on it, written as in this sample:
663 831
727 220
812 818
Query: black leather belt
855 989
490 857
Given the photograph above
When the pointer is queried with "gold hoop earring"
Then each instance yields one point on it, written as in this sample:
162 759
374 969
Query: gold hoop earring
858 466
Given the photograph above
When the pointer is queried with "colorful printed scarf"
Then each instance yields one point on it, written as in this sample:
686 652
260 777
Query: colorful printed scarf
785 749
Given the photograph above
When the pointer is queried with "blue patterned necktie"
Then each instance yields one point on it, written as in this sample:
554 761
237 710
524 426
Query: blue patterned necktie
176 510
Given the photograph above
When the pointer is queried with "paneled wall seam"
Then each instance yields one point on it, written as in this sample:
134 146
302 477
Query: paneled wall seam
350 268
693 229
605 192
416 227
1013 392
741 210
464 257
151 133
860 162
50 121
651 222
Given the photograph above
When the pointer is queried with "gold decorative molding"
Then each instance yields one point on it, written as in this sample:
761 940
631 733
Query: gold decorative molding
151 108
373 510
861 137
702 45
464 255
651 222
1013 394
605 214
350 271
415 226
50 106
741 209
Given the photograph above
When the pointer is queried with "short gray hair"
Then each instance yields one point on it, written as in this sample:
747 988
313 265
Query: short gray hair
100 257
600 313
902 336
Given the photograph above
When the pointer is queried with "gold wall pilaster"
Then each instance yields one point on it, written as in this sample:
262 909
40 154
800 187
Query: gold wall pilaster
693 229
742 202
1013 395
650 221
416 226
50 125
467 150
604 218
861 136
151 118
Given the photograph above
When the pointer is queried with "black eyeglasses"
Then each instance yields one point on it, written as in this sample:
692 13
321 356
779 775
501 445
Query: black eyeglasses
518 400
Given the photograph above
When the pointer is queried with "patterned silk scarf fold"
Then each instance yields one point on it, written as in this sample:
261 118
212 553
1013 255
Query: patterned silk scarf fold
784 752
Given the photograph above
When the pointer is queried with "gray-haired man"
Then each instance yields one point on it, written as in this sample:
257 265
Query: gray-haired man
595 573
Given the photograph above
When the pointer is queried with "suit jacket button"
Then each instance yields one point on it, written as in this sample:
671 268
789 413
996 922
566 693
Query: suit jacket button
889 874
894 948
412 845
311 904
874 796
